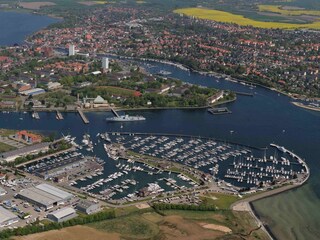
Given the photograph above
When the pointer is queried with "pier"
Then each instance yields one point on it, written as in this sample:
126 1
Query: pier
84 118
223 110
183 136
59 115
245 94
114 112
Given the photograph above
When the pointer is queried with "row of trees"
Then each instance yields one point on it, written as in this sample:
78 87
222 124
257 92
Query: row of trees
169 206
36 227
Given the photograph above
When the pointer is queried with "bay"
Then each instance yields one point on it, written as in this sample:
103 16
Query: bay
259 120
16 26
270 117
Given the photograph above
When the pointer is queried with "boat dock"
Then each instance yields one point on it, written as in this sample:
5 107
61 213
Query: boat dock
84 118
59 115
223 110
114 112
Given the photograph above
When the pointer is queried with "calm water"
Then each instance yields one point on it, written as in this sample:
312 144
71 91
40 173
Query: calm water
15 27
267 117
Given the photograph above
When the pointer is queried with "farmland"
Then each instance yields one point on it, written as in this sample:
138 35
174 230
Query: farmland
221 16
288 12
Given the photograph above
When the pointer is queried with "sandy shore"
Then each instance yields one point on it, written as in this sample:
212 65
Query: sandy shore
306 107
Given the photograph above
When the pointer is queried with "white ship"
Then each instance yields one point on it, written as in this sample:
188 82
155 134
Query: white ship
126 118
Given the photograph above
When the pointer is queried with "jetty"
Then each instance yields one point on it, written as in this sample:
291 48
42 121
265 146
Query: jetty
222 110
244 94
114 112
59 116
84 118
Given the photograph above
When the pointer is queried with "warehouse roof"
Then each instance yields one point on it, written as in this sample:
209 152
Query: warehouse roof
86 204
25 150
63 212
54 191
6 215
39 196
33 91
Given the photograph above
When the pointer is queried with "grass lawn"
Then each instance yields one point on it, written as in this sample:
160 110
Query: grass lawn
5 147
131 226
221 16
222 201
117 90
7 132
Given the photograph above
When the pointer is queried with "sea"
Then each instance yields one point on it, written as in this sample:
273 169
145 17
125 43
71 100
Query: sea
15 26
258 120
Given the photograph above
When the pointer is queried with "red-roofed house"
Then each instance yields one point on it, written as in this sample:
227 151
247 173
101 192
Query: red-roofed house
28 137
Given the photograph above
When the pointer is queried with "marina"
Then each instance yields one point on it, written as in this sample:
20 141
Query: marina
166 163
282 123
240 166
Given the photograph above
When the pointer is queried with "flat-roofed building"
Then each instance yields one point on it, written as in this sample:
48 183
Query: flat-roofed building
38 197
63 195
33 92
88 207
21 152
7 218
44 195
62 215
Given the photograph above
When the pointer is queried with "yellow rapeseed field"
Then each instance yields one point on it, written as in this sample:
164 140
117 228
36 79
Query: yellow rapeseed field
221 16
291 12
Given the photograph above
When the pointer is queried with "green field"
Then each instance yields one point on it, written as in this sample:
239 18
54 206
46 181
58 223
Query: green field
222 201
116 90
132 226
287 12
226 17
5 148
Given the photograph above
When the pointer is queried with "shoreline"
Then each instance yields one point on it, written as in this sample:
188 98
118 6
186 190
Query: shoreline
118 108
246 204
301 105
221 76
269 193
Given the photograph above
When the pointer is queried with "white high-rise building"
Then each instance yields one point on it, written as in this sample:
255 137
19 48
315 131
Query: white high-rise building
72 50
105 63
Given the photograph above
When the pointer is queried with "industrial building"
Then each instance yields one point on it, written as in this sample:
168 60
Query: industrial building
21 152
88 207
33 92
7 218
44 195
62 215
